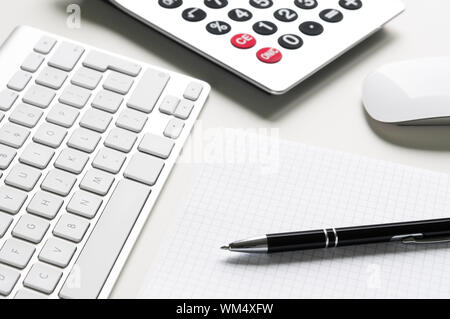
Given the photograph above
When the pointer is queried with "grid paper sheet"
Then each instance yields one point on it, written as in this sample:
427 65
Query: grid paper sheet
313 188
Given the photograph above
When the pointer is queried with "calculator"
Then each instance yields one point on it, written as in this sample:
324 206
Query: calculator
274 44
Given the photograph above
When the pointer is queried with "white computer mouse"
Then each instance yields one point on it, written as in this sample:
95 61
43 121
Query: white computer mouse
415 92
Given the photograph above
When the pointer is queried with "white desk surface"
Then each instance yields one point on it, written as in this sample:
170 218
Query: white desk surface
324 111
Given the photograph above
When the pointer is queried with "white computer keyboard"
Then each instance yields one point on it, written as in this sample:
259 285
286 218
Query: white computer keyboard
274 44
87 140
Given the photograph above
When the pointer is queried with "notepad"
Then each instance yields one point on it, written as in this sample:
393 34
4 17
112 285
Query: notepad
309 188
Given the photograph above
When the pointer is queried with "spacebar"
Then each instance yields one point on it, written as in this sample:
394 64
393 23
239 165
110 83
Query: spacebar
96 260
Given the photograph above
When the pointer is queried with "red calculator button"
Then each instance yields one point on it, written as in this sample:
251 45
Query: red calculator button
269 55
243 41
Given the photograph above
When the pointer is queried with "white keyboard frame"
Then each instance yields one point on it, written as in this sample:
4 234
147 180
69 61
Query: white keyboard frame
12 54
276 78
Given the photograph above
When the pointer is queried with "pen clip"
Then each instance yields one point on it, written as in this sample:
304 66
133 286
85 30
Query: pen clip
425 241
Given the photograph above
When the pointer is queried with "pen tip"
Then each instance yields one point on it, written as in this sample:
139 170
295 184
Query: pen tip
225 247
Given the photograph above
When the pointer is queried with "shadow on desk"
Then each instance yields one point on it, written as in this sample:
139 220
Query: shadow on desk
264 105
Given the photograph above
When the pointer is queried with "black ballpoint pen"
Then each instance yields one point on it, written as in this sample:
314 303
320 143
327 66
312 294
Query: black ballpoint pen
418 232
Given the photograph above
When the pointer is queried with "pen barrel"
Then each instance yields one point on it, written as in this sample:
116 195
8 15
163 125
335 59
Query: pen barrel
296 241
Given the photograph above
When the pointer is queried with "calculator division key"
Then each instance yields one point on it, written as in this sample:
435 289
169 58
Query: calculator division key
311 28
331 15
265 28
240 15
351 4
269 55
306 4
216 4
194 14
243 41
261 4
170 4
218 27
286 15
290 41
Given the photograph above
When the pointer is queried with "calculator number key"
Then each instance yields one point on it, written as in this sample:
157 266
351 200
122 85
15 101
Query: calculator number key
351 4
218 27
306 4
265 28
170 4
269 55
243 41
194 14
331 15
285 15
216 4
290 41
240 15
261 4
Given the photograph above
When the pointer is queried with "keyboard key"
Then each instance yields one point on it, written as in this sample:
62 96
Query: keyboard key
193 14
87 78
262 4
42 278
5 222
26 115
101 250
32 62
84 140
58 182
290 41
286 15
96 120
120 140
184 109
169 104
7 99
66 56
50 135
243 41
84 204
265 28
306 4
97 182
45 45
107 101
13 135
23 177
75 96
8 279
102 62
28 294
240 15
132 120
57 252
11 199
19 81
269 55
156 145
170 4
109 160
45 205
218 27
148 90
144 168
71 227
72 161
311 28
52 78
331 15
7 155
174 128
39 96
31 228
118 83
351 4
216 4
37 155
62 115
16 253
193 91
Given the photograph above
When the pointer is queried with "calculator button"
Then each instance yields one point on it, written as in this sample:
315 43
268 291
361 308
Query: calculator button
265 28
269 55
311 28
170 4
331 15
216 4
306 4
286 15
194 14
218 27
290 41
351 4
243 41
240 15
261 4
